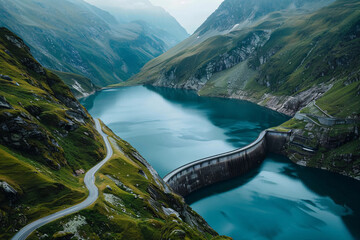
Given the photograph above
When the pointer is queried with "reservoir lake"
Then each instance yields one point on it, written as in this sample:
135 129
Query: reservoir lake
278 200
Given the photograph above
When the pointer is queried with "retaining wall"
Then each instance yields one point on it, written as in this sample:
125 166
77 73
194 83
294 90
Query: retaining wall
214 169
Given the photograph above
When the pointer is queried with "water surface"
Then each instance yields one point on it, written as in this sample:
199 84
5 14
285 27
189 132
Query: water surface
173 127
279 200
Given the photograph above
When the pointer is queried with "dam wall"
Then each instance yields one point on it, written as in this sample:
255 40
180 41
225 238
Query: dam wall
204 172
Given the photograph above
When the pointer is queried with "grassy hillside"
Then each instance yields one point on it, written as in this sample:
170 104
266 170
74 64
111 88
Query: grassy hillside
235 14
79 85
281 56
284 61
74 36
290 51
46 135
133 204
312 50
335 148
47 142
226 38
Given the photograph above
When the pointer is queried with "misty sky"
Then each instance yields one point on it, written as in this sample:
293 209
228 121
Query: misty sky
189 13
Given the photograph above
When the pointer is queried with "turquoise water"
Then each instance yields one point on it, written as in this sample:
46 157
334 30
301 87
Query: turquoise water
279 200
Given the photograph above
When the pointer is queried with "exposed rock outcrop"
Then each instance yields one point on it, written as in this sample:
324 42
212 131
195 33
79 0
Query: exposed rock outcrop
220 63
20 133
10 193
323 147
5 77
4 103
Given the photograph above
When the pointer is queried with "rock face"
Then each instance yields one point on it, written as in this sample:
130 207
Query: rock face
219 63
20 133
80 86
318 146
8 194
24 132
28 62
17 42
4 103
288 105
5 77
33 65
7 188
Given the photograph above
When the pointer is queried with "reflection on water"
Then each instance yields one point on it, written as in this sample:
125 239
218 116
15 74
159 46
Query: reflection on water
279 200
173 127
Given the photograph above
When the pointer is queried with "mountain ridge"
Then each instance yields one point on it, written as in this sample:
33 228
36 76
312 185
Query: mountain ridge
97 46
285 61
163 24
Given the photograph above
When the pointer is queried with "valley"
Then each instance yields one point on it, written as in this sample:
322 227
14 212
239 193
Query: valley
284 60
256 115
48 141
173 127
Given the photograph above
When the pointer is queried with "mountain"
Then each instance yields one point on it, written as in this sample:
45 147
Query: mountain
298 58
233 15
79 85
47 142
74 36
156 18
234 25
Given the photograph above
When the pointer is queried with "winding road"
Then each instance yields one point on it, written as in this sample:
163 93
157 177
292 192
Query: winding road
90 185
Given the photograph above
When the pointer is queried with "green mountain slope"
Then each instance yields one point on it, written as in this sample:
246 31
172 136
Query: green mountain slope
161 23
74 36
46 135
284 61
236 14
233 15
283 54
47 142
79 85
134 203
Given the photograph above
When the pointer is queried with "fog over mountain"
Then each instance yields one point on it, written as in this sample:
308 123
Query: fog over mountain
190 13
75 36
156 18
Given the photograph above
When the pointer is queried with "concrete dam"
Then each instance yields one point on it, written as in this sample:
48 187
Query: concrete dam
207 171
